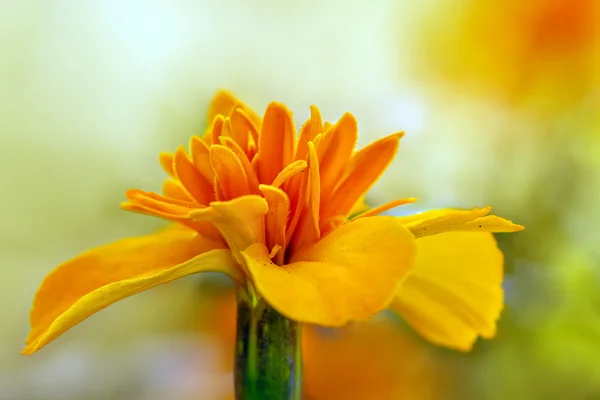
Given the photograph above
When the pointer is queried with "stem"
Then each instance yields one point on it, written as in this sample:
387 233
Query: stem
268 363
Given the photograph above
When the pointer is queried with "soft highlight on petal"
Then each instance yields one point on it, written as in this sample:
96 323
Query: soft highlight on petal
453 294
348 275
101 276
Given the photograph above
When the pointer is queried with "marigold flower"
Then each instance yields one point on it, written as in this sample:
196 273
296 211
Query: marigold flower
277 214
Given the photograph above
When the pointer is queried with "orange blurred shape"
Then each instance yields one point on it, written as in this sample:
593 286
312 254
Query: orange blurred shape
538 52
368 360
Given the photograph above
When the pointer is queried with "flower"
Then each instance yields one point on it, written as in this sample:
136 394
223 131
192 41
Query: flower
272 212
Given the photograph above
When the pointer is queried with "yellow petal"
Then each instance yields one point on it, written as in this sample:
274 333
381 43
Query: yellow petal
240 221
438 221
104 275
453 294
383 208
348 275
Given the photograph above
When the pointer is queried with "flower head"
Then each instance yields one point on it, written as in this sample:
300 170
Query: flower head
283 216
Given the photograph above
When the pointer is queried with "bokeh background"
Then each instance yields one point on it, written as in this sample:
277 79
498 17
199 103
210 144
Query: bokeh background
500 101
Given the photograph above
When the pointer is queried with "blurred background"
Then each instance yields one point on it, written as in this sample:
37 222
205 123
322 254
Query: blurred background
500 103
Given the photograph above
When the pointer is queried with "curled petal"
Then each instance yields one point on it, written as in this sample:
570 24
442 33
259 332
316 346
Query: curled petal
240 221
453 294
438 221
348 275
104 275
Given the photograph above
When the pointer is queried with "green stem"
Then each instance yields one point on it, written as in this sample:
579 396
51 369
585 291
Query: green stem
268 363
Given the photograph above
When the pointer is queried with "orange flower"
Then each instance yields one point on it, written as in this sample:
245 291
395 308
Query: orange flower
272 212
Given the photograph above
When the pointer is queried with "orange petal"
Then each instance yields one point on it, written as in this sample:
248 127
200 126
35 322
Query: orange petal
276 219
172 188
246 165
240 221
229 172
203 228
309 132
99 277
276 142
191 179
307 231
199 150
365 168
310 129
438 221
348 275
166 162
454 293
244 131
153 201
339 143
223 103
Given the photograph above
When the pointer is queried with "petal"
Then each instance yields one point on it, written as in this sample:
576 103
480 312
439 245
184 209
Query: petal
191 179
166 162
289 172
240 221
310 129
200 157
438 221
365 168
339 144
276 142
99 277
229 172
243 130
224 103
172 188
348 275
307 231
453 293
246 165
276 219
380 209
